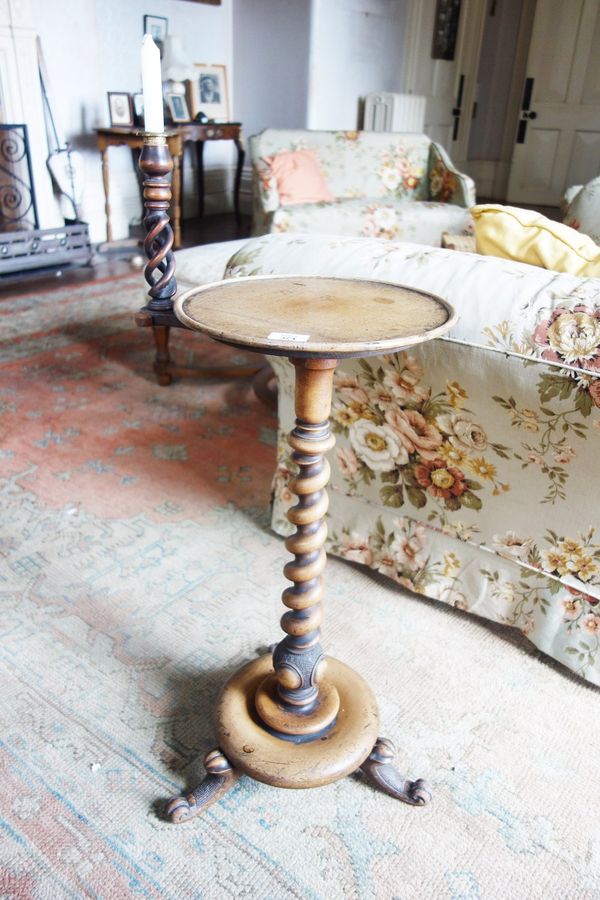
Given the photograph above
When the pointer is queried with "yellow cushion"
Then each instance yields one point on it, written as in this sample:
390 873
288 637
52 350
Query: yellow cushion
527 236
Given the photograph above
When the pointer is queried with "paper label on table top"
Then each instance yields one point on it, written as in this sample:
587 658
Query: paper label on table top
285 336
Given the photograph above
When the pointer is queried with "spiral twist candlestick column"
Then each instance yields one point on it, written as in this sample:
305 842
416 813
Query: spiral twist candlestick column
156 164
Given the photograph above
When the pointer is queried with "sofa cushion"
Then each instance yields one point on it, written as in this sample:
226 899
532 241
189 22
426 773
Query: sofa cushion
298 178
527 236
422 223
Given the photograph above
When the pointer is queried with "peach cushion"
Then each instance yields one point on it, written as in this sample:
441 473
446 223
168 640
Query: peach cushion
298 178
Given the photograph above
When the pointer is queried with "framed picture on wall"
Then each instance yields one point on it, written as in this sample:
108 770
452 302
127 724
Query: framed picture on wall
445 29
156 27
120 109
138 108
178 108
208 92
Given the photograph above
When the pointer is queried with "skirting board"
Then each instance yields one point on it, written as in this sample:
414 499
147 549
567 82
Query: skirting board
490 177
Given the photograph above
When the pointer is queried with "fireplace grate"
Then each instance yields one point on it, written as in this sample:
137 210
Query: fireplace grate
23 244
45 247
18 209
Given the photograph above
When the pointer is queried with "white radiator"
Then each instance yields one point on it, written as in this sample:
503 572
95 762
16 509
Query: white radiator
394 112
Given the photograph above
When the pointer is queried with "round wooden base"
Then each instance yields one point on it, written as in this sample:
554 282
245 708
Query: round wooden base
283 763
271 712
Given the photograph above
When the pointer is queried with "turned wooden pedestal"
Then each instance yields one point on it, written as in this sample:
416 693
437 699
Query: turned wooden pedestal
294 718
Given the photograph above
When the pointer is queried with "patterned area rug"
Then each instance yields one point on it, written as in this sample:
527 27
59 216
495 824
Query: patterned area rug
137 571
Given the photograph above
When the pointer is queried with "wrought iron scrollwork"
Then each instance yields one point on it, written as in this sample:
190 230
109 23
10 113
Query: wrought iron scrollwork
18 208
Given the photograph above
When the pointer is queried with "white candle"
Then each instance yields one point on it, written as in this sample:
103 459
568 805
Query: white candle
152 86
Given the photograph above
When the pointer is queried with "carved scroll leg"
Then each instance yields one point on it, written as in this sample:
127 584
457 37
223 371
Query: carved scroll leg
379 771
219 779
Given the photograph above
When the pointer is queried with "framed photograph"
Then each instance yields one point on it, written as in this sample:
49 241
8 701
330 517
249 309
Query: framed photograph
178 108
208 92
120 109
156 27
445 29
138 108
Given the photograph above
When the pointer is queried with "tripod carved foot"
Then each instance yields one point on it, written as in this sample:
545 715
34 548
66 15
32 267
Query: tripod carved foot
379 771
219 779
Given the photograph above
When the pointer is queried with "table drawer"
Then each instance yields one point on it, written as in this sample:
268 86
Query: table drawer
221 132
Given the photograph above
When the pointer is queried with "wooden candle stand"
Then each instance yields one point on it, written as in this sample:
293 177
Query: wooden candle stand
156 165
294 718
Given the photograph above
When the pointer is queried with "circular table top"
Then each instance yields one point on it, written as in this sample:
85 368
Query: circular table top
314 315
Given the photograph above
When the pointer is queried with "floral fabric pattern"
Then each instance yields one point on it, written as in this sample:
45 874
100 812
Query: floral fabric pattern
582 208
459 471
373 177
392 219
446 184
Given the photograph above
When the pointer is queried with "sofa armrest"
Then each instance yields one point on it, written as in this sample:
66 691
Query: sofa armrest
568 197
446 183
264 187
205 263
506 306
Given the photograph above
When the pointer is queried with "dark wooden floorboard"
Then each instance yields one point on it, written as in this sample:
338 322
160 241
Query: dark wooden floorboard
114 260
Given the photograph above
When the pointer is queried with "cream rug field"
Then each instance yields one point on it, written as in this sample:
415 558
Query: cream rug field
137 571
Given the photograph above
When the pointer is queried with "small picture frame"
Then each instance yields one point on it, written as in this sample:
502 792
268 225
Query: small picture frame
120 109
208 92
138 108
445 29
157 27
178 108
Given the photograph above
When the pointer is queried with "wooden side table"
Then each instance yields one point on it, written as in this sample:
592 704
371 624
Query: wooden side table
134 139
200 135
293 718
176 138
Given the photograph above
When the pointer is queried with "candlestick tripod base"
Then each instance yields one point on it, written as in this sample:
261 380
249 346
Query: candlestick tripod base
246 747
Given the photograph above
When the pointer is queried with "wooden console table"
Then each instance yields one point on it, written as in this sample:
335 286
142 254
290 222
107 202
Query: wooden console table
293 718
177 136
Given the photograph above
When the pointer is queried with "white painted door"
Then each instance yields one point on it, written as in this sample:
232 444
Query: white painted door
447 85
558 137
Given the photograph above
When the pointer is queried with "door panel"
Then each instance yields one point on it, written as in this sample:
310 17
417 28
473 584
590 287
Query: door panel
558 140
556 22
438 79
585 153
540 161
591 84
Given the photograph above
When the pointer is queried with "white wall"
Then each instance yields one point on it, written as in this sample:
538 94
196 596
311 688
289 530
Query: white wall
271 42
291 63
93 46
356 48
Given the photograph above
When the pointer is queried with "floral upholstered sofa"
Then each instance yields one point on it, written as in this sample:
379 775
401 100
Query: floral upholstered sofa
466 469
388 185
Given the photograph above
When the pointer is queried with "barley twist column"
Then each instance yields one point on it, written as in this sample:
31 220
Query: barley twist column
298 700
156 164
